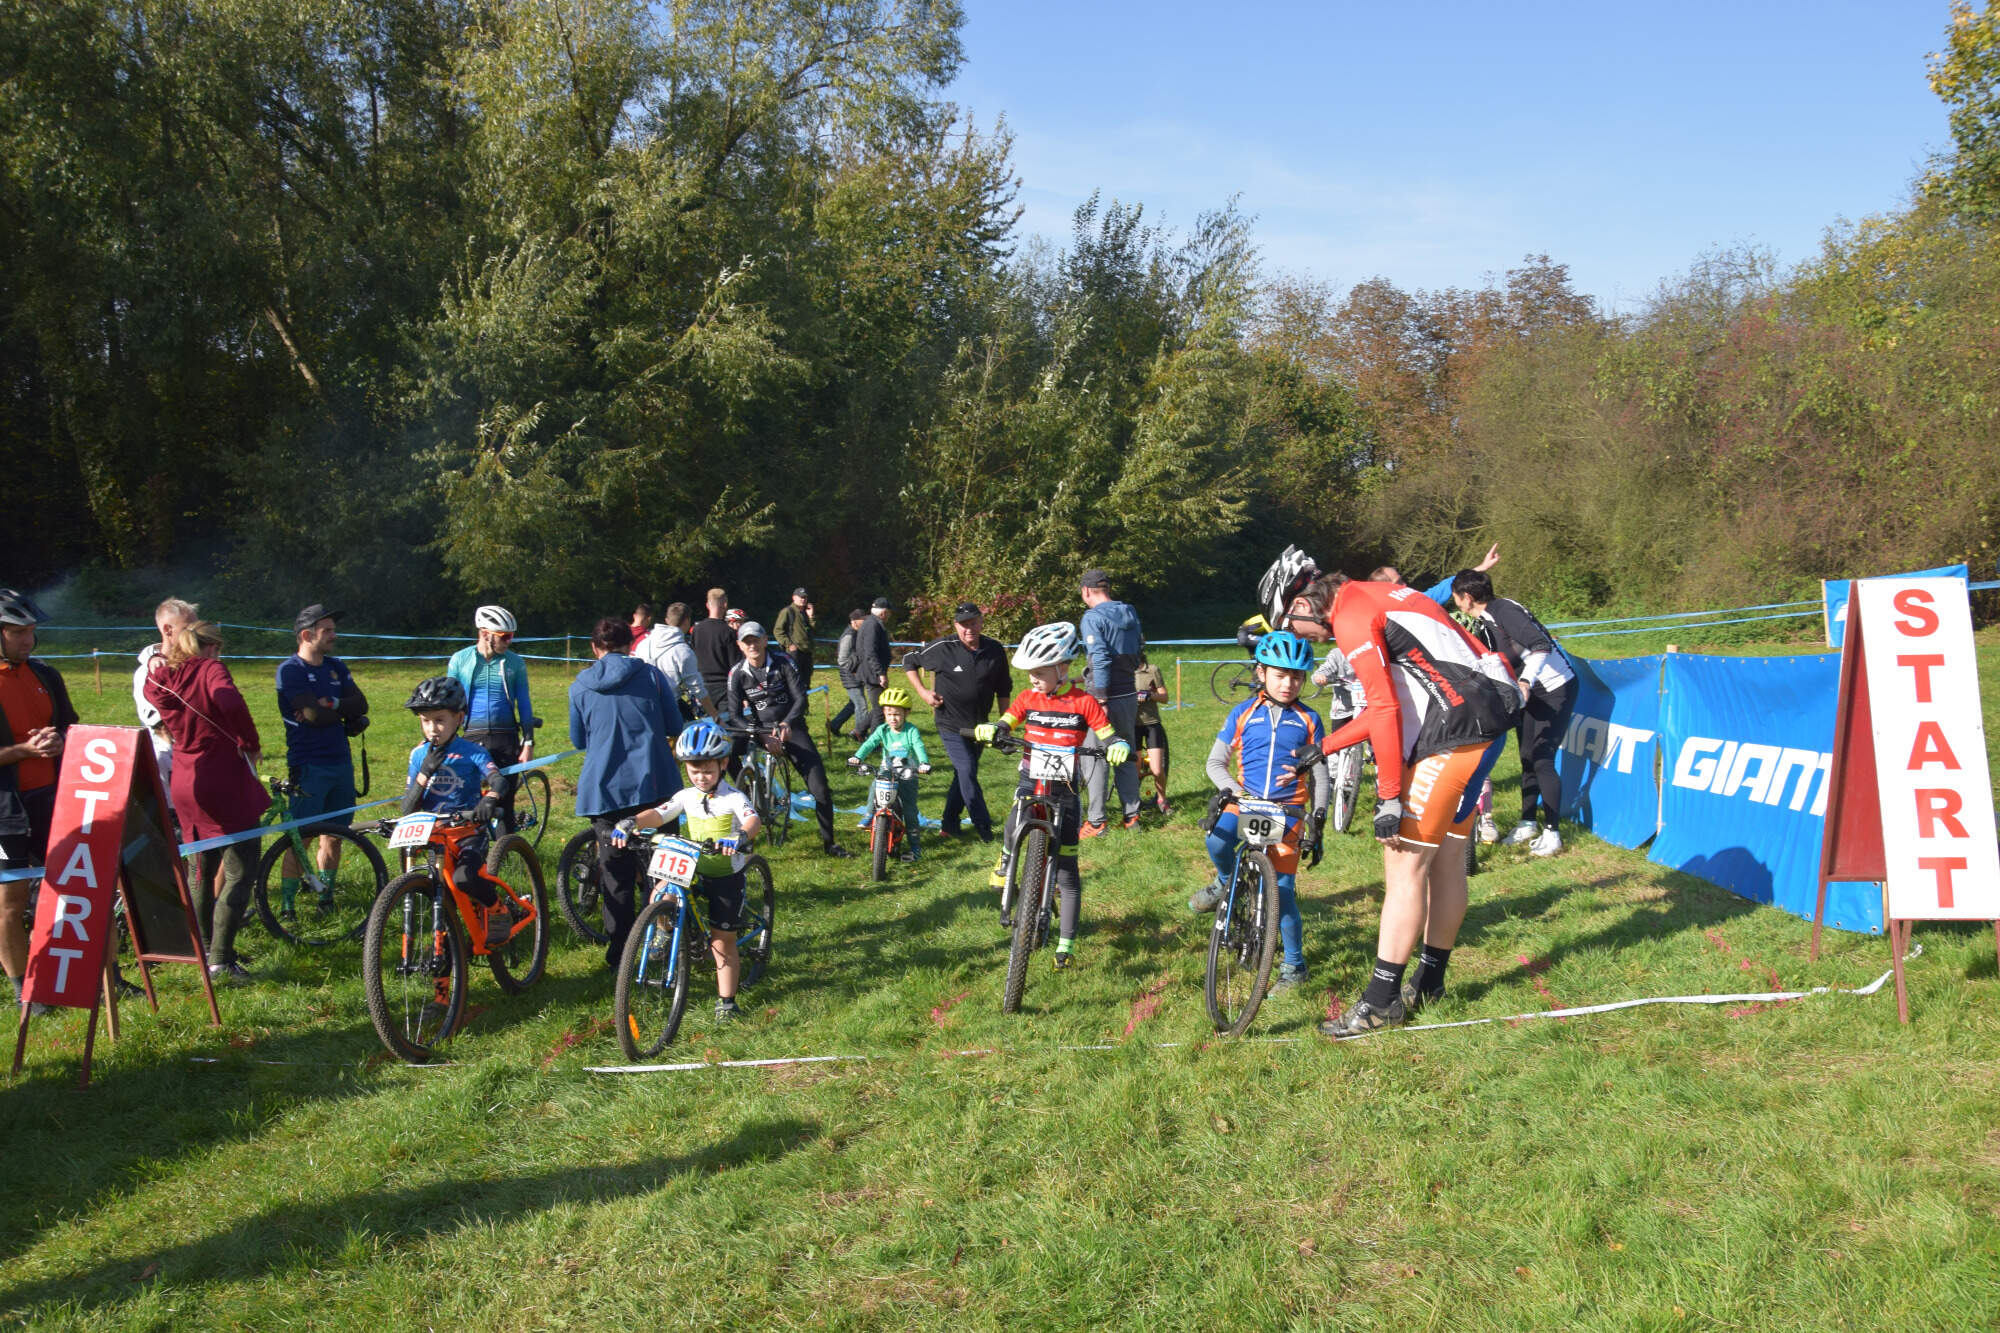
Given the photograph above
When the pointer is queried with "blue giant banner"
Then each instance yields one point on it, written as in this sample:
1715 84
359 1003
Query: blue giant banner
1748 750
1608 753
1836 597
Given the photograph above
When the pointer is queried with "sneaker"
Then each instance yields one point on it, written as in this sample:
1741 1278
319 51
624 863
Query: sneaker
864 821
985 834
229 974
1064 960
1091 831
499 926
1486 830
1160 804
1415 1001
952 832
726 1011
1547 844
1132 820
907 856
1365 1018
836 851
1288 978
1523 834
1208 897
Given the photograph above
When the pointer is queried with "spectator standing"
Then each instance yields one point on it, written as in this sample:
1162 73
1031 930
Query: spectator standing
499 718
793 631
764 691
169 618
970 673
871 651
1111 644
847 657
321 707
1548 694
715 647
642 627
623 716
216 790
35 715
669 652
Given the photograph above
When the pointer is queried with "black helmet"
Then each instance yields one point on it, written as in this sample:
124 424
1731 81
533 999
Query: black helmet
437 692
17 609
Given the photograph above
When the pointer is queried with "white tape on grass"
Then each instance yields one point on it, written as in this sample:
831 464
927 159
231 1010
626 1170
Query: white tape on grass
721 1064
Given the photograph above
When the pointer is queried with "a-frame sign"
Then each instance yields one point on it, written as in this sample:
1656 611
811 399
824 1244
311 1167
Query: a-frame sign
109 834
1911 804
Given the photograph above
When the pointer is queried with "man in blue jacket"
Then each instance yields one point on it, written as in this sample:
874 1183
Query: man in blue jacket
498 719
1111 644
622 714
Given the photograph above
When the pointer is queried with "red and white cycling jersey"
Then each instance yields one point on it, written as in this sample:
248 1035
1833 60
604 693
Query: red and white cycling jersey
1431 687
1057 721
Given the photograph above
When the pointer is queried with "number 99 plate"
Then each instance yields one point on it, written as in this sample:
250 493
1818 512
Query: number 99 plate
1261 823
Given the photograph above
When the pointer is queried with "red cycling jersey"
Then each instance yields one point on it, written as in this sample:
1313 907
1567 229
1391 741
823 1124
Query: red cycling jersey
1431 687
1057 720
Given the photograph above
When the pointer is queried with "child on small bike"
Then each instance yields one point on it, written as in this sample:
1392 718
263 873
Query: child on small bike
1056 715
1266 737
897 739
715 812
445 776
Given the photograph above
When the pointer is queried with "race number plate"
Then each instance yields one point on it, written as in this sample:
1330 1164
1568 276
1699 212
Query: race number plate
412 831
674 861
887 794
1050 765
1261 823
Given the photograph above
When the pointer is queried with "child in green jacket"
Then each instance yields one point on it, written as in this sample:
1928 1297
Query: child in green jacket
897 739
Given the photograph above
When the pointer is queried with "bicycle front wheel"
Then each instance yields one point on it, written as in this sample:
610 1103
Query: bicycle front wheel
1028 884
327 906
652 988
413 966
577 886
1242 945
1233 682
518 963
879 838
760 909
531 805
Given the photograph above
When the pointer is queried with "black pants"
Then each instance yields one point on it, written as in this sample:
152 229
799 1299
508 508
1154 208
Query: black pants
964 797
505 747
805 758
1544 719
617 878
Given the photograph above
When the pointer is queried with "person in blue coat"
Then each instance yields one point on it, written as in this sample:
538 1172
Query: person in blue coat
623 715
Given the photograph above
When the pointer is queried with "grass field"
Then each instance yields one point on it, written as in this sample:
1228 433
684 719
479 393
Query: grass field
1796 1166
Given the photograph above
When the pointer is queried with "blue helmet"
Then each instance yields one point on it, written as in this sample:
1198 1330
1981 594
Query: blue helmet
1285 649
702 740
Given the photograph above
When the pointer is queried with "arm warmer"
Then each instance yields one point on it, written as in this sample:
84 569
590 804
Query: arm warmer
1217 767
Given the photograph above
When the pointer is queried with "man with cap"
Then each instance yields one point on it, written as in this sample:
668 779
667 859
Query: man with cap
871 648
321 707
764 691
971 672
793 631
35 715
1112 642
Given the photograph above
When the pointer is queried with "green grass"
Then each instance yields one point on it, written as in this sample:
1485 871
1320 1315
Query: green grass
1799 1166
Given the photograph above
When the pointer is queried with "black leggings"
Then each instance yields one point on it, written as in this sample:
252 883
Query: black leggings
1544 719
505 747
1069 884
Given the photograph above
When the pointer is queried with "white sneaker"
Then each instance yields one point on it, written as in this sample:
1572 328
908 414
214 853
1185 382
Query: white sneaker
1487 830
1524 833
1547 844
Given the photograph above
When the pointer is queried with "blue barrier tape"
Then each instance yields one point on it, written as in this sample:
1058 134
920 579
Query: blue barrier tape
274 629
1815 604
209 844
1675 629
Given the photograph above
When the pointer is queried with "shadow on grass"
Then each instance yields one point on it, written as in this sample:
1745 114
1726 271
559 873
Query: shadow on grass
316 1233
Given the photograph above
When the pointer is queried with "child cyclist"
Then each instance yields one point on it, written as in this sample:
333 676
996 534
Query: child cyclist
715 812
897 739
1267 736
445 775
1056 715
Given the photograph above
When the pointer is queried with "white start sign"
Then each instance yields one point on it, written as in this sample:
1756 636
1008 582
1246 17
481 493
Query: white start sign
1930 750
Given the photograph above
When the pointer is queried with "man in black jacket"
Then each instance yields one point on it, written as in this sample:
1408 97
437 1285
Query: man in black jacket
871 647
971 673
714 646
35 716
763 688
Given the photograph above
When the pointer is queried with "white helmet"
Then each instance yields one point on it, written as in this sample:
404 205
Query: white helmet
496 618
1046 645
1284 580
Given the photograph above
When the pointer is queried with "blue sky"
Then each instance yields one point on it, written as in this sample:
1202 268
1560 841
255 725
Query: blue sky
1434 144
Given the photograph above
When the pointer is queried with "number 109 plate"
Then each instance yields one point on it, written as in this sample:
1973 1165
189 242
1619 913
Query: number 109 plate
412 831
674 862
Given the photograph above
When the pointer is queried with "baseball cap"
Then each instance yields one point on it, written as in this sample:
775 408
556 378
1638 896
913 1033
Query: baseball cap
751 630
967 611
1094 578
880 604
800 592
312 615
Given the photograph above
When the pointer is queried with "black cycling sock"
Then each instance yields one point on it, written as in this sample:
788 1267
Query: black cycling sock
1385 983
1430 971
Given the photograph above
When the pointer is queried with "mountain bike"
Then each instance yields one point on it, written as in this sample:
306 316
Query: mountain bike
423 933
885 803
769 780
1244 940
327 906
671 938
577 886
1233 682
1030 891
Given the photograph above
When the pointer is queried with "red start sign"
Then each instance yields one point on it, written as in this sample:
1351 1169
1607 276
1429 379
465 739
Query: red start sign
1911 801
73 916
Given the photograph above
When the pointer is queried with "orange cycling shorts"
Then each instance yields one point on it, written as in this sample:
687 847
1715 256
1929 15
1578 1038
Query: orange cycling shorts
1284 856
1433 789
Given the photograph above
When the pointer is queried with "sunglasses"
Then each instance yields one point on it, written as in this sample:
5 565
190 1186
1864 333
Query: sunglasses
498 637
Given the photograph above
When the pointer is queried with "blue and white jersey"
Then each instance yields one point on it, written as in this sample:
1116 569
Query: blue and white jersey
456 783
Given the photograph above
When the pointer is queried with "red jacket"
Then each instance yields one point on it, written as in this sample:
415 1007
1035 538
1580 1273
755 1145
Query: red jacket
214 789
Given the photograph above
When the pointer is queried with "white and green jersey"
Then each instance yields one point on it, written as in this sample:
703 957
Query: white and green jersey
717 815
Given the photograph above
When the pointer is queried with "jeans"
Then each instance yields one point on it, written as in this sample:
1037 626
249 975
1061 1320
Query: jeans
324 787
965 797
1124 716
856 710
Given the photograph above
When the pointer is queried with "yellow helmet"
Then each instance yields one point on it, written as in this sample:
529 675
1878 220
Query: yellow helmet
895 697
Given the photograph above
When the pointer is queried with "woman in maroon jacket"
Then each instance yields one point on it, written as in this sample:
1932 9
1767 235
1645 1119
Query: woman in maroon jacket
215 786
